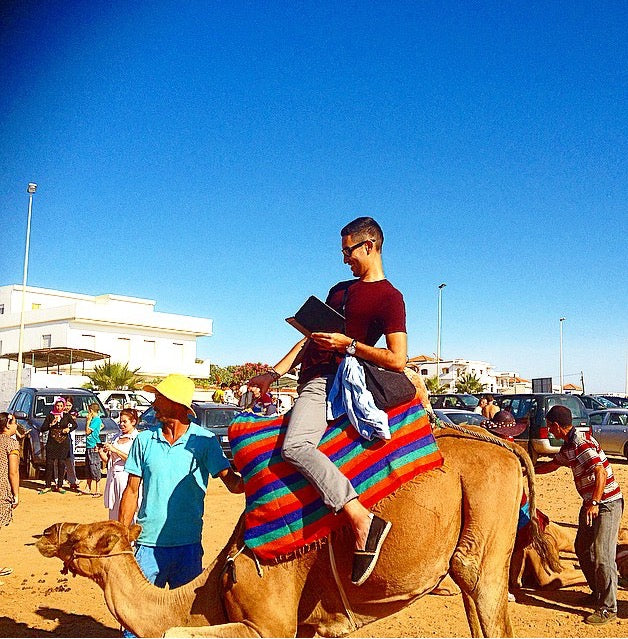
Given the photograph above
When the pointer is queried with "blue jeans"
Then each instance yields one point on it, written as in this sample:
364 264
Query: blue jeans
595 547
175 566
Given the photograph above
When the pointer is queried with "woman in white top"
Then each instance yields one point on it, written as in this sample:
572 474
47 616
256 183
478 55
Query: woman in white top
115 454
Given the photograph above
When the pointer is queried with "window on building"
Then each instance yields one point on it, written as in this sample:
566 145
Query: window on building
88 342
424 371
445 371
124 348
46 341
150 348
1 309
35 307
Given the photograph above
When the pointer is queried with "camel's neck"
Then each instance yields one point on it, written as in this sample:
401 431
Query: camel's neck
148 610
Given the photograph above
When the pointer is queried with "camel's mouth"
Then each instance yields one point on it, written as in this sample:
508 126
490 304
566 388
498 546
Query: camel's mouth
46 547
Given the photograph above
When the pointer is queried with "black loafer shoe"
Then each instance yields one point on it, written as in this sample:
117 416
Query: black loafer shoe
364 560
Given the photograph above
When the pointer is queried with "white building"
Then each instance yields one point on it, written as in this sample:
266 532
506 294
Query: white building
452 369
128 329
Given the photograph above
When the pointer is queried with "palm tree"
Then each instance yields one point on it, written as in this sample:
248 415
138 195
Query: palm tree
434 387
113 376
469 383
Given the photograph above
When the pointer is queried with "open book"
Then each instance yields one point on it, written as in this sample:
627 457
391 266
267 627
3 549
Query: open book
317 317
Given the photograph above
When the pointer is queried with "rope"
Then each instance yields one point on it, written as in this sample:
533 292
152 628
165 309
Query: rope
491 439
341 590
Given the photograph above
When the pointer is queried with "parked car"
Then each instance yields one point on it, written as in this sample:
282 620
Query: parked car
595 402
617 400
31 406
530 409
463 401
456 416
118 399
610 428
214 417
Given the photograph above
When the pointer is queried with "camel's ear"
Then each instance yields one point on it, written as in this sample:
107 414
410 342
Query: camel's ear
134 532
106 543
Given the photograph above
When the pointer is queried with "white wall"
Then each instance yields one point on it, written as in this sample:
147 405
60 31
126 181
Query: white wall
126 328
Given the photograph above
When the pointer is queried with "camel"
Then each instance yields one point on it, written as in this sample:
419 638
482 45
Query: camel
460 519
527 567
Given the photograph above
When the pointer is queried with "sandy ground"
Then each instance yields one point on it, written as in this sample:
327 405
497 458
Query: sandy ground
37 601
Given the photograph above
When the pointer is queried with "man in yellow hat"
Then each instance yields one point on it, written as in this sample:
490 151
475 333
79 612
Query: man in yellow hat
170 465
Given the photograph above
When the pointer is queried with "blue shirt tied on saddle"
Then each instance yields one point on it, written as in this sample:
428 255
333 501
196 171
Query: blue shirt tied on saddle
174 483
350 395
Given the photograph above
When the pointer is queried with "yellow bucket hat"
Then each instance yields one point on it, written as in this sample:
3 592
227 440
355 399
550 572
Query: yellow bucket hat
177 388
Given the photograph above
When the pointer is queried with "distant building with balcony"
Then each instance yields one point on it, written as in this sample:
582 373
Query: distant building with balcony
451 369
128 329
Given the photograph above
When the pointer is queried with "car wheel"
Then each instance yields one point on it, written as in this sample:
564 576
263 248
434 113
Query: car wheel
626 450
30 471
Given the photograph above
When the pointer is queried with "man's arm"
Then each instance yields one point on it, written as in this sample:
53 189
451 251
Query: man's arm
130 500
546 467
232 480
393 357
285 364
598 491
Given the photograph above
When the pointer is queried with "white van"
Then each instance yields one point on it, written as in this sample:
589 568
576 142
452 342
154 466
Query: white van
116 400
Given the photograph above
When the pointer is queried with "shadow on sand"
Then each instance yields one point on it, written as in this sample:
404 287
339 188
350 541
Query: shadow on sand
68 625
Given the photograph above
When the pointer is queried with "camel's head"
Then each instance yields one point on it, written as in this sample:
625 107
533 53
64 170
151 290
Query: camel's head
74 542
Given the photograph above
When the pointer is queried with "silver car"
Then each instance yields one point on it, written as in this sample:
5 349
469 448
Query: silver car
610 428
455 416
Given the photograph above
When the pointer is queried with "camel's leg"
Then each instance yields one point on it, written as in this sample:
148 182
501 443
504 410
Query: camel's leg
472 615
222 630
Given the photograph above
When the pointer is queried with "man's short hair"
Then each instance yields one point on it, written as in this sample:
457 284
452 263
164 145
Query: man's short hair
365 228
560 415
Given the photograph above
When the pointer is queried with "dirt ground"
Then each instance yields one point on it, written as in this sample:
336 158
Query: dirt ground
37 601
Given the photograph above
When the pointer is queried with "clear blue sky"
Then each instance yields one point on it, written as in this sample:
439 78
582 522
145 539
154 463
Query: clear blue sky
206 155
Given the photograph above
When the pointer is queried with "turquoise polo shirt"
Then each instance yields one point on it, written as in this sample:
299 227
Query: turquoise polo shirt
174 483
94 437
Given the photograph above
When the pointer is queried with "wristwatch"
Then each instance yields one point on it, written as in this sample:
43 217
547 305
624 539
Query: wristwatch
594 502
350 350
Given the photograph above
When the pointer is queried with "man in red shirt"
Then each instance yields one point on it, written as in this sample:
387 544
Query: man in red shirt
372 307
600 514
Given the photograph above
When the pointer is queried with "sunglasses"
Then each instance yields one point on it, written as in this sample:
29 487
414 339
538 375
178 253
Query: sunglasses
347 251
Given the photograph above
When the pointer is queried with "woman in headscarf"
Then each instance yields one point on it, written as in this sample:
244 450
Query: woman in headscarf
58 425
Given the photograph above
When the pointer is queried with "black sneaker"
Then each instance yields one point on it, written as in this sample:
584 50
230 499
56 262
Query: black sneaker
600 617
364 560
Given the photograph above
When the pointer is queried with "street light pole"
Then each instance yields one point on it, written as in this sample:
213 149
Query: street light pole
440 317
562 319
32 187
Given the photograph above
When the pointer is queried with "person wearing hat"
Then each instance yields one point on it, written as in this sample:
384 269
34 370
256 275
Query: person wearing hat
170 464
600 514
504 425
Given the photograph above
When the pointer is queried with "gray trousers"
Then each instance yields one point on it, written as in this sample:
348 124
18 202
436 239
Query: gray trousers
595 547
307 426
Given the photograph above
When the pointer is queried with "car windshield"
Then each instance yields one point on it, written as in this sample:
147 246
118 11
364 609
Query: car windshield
605 402
572 403
469 400
465 418
80 404
217 417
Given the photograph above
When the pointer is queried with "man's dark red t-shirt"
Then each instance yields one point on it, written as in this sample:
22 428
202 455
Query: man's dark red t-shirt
371 309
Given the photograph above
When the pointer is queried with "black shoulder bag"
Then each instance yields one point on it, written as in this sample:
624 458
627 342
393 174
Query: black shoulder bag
389 388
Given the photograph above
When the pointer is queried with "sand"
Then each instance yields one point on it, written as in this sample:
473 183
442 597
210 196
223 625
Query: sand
37 601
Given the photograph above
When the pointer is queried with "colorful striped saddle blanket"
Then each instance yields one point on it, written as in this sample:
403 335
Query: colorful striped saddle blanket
284 513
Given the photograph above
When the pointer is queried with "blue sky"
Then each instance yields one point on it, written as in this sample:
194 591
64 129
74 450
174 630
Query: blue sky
206 155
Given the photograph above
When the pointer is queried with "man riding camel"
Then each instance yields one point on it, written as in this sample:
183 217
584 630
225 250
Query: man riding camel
372 307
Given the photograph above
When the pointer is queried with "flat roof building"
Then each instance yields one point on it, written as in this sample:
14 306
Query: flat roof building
128 329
